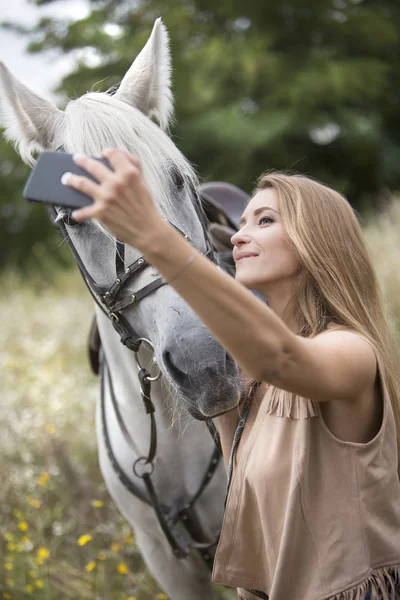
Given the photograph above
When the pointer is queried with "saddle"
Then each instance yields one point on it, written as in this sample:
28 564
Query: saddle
223 204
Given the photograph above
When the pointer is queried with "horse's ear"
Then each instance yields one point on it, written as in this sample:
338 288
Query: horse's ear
147 84
30 122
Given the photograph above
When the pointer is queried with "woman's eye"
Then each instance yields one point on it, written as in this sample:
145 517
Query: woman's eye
268 219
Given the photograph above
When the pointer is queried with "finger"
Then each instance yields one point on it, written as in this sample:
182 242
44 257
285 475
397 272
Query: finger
94 167
81 184
83 214
120 159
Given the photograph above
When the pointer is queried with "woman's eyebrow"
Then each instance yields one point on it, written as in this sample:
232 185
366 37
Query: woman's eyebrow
257 212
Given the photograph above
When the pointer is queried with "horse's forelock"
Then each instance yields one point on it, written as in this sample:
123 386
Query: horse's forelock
97 120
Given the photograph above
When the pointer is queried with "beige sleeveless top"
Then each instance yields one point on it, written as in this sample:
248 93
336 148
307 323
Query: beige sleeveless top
308 516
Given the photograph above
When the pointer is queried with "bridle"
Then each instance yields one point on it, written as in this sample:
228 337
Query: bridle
181 527
109 300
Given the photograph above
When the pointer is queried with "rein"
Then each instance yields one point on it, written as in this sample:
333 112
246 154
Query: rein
181 528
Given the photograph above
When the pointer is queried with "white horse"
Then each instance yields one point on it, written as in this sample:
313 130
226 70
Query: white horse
196 371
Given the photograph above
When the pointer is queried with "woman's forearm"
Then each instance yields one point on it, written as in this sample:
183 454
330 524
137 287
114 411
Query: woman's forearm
250 331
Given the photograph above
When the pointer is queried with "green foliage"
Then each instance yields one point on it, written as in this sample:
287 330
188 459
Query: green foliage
28 239
295 84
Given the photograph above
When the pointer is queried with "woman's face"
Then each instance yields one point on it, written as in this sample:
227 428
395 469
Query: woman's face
264 260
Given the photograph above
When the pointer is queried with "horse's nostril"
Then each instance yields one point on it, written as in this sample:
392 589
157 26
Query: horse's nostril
231 366
179 377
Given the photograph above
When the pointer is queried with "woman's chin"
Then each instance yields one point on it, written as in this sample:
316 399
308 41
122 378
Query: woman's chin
248 282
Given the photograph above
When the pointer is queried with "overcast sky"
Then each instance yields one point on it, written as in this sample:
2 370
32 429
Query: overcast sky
40 73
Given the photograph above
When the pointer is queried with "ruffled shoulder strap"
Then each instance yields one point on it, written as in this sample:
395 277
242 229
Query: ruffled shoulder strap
287 404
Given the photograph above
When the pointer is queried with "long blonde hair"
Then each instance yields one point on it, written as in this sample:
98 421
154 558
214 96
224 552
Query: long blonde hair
337 282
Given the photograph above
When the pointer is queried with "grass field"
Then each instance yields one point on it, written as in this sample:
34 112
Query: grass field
60 535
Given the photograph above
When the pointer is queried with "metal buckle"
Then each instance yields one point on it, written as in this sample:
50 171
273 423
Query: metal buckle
142 461
151 364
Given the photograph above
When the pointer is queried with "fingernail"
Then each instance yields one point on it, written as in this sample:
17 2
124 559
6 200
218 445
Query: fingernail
75 214
65 178
77 156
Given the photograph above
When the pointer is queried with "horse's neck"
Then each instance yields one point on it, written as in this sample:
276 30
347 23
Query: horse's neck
176 442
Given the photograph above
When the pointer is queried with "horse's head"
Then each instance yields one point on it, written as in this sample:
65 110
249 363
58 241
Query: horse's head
191 360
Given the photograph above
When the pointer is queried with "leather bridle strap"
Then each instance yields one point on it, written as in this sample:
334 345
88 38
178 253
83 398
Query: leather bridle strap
108 298
120 258
186 513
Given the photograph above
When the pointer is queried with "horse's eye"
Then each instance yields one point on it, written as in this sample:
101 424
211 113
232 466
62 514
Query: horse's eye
177 178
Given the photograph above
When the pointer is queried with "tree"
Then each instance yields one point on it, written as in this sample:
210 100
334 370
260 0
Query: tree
293 84
28 239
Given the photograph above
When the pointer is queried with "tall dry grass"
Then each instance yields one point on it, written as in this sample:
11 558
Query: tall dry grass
60 535
382 232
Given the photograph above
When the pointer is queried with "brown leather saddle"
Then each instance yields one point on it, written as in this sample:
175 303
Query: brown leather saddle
223 204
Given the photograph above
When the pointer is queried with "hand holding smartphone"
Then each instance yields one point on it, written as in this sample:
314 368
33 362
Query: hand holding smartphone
44 183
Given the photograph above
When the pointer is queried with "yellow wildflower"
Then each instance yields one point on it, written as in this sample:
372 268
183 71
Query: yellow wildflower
8 536
50 429
162 596
42 553
29 588
8 566
7 596
32 574
90 566
23 526
34 502
101 556
131 598
25 539
97 503
19 547
10 547
84 539
115 547
17 513
39 561
129 539
43 478
122 569
39 584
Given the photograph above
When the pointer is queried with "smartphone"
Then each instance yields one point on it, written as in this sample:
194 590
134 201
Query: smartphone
44 183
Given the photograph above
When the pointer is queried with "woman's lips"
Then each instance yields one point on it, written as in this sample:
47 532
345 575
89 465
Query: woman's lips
245 255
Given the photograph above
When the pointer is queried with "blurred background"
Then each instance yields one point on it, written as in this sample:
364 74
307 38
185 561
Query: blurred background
297 85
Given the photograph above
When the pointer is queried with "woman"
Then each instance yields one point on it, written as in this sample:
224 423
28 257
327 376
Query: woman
313 507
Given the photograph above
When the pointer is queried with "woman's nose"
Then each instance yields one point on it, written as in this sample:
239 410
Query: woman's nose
239 237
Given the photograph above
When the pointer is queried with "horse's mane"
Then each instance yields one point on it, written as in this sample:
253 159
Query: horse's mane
99 120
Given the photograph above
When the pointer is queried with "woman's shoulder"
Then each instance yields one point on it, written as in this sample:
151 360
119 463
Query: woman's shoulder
348 341
338 331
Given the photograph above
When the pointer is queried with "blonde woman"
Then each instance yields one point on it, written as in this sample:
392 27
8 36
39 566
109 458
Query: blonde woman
313 507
